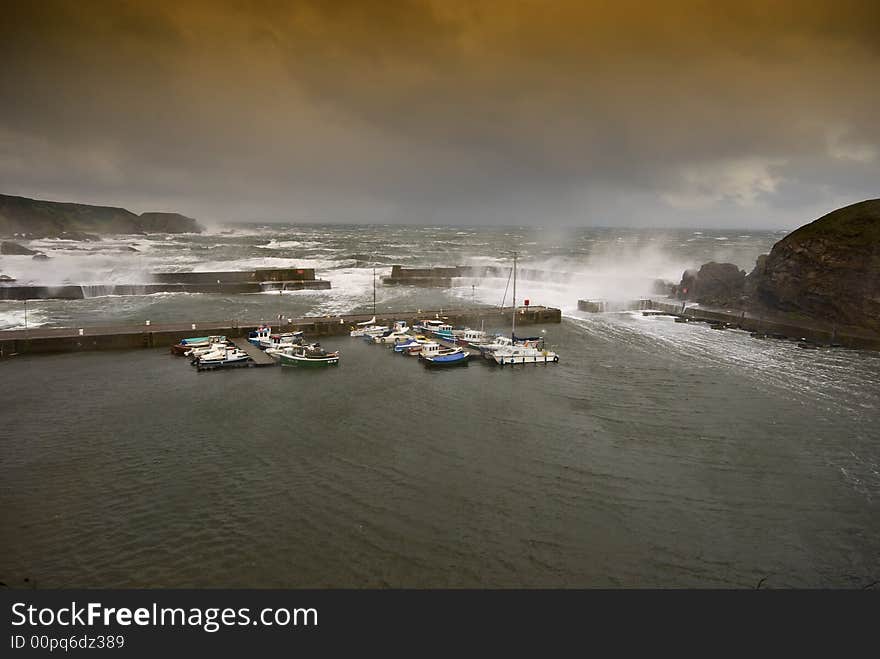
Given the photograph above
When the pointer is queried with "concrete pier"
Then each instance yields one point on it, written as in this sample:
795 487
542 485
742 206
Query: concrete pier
45 340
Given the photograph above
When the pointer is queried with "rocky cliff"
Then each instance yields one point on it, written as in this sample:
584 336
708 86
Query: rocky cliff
827 270
41 219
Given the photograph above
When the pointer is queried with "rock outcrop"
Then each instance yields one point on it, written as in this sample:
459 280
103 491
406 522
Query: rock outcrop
828 269
714 284
14 249
167 223
33 218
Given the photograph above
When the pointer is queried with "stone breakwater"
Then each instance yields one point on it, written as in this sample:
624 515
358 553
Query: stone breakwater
252 281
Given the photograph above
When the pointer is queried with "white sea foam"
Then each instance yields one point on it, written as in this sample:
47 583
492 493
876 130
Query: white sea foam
12 316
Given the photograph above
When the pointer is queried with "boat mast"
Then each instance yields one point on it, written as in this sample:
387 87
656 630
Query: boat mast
374 290
513 322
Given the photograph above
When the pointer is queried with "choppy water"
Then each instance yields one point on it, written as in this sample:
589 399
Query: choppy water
654 454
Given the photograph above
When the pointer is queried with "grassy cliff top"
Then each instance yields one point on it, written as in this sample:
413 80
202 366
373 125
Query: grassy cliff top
851 226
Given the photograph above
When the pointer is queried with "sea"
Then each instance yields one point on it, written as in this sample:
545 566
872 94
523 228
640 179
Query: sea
653 455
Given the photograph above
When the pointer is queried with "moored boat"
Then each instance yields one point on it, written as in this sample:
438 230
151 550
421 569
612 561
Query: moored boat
358 329
468 336
225 356
437 328
280 340
447 357
520 354
262 332
309 356
196 342
516 350
400 331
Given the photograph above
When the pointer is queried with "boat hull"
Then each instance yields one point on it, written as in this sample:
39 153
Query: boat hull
308 362
509 360
448 361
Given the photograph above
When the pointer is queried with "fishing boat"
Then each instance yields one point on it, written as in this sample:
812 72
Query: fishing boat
487 349
257 335
280 340
404 344
437 328
358 329
309 356
195 353
196 342
400 330
446 357
468 336
226 356
427 349
371 333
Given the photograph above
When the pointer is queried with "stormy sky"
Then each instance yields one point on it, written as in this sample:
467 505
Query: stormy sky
606 113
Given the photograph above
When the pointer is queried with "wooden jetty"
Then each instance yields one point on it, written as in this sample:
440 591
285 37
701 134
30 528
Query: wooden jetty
258 357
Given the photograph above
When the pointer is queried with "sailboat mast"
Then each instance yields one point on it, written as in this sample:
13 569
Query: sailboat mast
513 322
374 290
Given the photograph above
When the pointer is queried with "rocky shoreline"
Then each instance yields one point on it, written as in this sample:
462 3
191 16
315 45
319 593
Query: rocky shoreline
826 273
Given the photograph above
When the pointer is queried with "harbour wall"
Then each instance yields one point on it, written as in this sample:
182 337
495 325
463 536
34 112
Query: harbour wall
248 281
763 326
54 340
442 277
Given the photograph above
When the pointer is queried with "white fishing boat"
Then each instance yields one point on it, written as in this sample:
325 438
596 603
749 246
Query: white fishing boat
371 333
262 332
468 336
196 342
195 353
358 329
225 356
399 331
489 347
280 340
427 349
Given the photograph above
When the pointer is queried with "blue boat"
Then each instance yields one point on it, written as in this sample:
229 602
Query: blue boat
454 357
404 346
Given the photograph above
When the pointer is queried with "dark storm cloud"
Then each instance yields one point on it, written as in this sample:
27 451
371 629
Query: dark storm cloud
742 113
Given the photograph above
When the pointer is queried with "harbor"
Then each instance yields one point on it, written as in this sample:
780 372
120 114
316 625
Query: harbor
121 337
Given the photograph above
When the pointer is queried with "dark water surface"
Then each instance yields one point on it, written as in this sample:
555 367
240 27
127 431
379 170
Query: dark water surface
654 454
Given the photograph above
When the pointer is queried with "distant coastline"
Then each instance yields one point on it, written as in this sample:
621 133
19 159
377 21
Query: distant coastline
21 217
